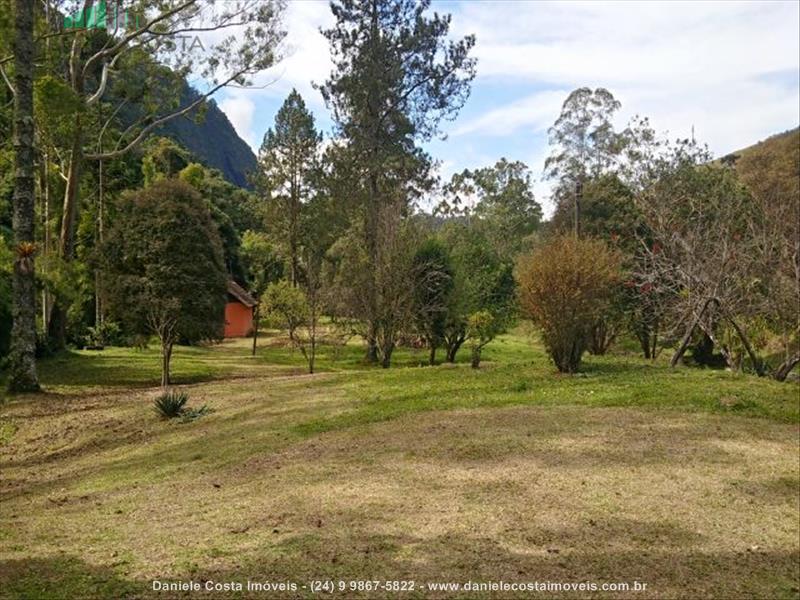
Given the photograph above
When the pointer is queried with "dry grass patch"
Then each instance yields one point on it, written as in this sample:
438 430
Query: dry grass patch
99 497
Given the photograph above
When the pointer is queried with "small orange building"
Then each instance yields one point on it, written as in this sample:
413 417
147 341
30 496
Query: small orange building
239 311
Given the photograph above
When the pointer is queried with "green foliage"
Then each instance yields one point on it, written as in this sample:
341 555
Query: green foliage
262 263
163 265
286 305
171 404
55 104
483 281
288 177
107 333
232 209
506 209
192 414
565 287
163 159
433 276
482 327
407 66
583 138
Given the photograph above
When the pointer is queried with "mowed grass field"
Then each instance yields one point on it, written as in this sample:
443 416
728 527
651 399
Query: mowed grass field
686 480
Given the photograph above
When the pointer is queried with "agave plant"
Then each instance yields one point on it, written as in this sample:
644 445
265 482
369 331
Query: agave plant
171 404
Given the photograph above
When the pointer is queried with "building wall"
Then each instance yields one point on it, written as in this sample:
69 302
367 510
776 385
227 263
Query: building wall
238 320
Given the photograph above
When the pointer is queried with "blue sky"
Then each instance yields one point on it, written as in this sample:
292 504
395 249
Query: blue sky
731 70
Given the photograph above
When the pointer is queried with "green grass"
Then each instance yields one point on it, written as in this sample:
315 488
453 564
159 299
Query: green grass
685 478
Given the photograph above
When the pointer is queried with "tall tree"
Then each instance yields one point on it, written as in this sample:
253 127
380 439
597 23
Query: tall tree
584 144
164 267
140 59
505 206
263 266
396 75
288 158
23 376
703 254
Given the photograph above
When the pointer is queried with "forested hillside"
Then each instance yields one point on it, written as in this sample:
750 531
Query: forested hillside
213 141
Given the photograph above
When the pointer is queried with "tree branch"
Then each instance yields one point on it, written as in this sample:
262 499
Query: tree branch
161 120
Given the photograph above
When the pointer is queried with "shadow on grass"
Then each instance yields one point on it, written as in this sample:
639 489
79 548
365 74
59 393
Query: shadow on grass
134 368
61 577
662 558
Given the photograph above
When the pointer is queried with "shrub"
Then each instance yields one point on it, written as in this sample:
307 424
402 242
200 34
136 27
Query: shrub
171 404
482 328
105 334
565 287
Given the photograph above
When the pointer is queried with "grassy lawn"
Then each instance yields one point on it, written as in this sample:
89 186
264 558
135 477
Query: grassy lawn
686 480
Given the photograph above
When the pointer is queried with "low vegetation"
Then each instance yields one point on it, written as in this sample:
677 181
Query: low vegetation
684 479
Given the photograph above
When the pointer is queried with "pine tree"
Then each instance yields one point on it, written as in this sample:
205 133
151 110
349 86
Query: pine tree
288 158
396 76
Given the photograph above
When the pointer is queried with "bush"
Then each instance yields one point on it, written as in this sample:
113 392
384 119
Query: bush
105 334
171 404
565 287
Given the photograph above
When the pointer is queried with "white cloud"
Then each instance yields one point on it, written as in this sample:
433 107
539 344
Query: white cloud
306 56
535 112
728 69
240 110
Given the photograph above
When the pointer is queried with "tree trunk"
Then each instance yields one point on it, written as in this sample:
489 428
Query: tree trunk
313 354
786 367
98 302
453 348
371 236
757 363
45 191
255 328
313 330
372 349
578 198
23 377
58 319
476 357
687 337
644 341
653 348
166 356
601 337
386 355
432 357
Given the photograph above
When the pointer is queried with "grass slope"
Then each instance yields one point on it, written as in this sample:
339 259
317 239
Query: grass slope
686 480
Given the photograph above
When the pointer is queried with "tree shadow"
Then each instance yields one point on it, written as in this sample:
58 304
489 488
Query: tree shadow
60 577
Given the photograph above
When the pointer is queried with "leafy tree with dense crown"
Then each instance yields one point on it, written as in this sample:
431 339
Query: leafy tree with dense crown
505 206
163 266
288 161
433 287
263 266
584 144
134 68
396 75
